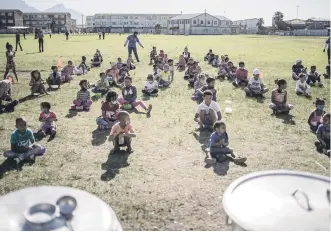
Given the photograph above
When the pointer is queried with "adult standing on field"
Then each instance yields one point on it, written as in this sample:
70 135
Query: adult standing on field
327 45
41 41
18 41
132 46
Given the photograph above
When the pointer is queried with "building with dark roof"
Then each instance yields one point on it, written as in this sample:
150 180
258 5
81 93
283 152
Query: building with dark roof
11 18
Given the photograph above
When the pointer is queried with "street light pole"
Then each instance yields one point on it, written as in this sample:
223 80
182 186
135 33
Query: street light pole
298 11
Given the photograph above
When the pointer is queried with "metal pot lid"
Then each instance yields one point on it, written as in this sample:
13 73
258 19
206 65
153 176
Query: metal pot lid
279 200
89 212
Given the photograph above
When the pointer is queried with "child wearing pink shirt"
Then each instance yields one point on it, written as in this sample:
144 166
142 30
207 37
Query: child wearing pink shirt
122 132
241 76
67 71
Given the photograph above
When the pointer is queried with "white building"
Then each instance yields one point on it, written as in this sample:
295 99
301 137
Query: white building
201 24
247 26
127 23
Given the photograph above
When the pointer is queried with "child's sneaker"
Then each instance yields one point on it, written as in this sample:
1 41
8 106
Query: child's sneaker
210 161
239 159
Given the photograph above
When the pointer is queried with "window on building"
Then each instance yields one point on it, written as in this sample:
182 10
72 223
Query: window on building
227 23
62 16
3 21
194 22
208 22
3 14
114 23
10 14
10 21
201 22
215 22
62 22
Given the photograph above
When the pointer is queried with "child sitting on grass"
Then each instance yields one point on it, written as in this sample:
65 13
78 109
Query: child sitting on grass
82 69
119 63
83 100
313 76
67 72
165 77
171 69
208 112
152 56
151 86
48 119
181 63
231 75
96 61
302 88
122 75
327 72
23 144
279 98
109 109
323 136
208 56
315 117
37 83
198 84
297 68
129 97
255 85
54 78
241 76
102 85
216 62
122 132
5 90
209 86
186 54
130 63
218 148
223 67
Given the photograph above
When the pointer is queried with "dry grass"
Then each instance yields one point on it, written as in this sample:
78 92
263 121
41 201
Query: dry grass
166 186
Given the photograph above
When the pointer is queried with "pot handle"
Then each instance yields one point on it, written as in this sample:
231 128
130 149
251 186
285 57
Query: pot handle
308 208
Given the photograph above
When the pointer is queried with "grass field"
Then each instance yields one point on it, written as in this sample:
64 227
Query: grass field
166 185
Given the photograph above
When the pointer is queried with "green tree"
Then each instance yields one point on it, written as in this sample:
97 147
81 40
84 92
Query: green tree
260 26
279 22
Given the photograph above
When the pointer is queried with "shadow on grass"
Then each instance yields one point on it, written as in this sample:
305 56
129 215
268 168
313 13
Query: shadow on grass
220 169
202 137
28 98
10 165
116 161
99 137
287 118
71 114
258 99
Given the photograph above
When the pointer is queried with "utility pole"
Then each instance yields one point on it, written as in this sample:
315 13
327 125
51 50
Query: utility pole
298 11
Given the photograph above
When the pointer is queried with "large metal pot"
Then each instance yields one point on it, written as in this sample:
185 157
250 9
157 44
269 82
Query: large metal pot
55 208
279 200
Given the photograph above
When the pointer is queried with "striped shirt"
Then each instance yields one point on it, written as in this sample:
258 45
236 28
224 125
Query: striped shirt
83 95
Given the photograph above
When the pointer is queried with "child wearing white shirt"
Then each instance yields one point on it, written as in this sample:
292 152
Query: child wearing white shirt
151 86
208 112
255 85
302 87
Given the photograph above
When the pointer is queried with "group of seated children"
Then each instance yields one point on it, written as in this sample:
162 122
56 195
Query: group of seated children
319 122
192 72
155 58
97 59
208 115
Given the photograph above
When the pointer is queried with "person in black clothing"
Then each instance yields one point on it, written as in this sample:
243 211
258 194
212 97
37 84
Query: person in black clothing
103 35
67 35
327 45
18 41
24 33
41 41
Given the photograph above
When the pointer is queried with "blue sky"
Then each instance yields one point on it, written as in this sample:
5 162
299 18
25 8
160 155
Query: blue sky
233 9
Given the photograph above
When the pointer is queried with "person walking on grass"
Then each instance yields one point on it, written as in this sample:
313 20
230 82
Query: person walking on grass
327 45
132 41
18 41
41 41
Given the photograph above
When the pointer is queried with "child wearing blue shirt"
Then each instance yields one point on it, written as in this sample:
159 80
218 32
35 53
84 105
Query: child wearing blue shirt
23 144
218 149
323 135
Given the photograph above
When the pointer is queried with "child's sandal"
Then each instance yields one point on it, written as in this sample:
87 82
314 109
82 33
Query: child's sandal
239 159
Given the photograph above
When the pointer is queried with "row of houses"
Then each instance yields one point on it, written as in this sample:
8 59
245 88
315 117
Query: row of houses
59 21
310 24
202 23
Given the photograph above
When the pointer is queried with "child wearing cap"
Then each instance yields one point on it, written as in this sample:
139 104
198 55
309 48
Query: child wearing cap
255 85
279 98
122 132
313 76
302 88
241 76
297 68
